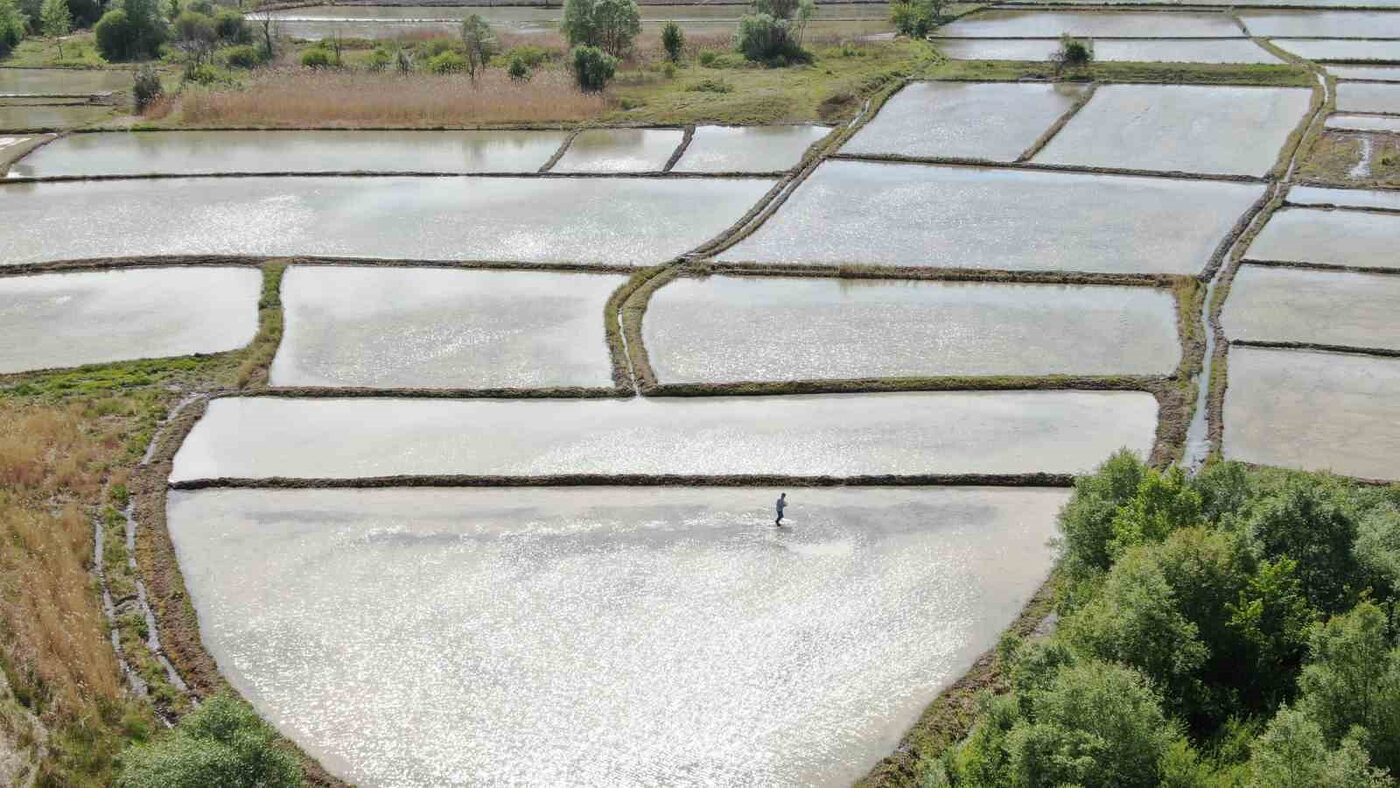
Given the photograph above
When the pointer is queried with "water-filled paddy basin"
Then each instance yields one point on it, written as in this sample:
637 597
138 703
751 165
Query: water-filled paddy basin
1364 123
1162 50
815 435
1349 238
1361 198
620 150
971 217
991 121
1180 128
198 152
1328 49
604 636
1337 308
607 220
1323 24
1377 73
41 118
62 81
748 328
1314 411
1092 24
66 320
432 327
1368 97
748 148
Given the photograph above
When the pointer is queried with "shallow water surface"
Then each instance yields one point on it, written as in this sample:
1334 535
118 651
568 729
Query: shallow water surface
1323 24
1180 128
816 435
433 327
62 81
1326 49
972 217
640 221
1308 235
725 328
1368 97
1379 73
39 118
1091 24
90 317
1163 50
748 148
620 150
604 636
991 121
1364 123
1314 411
1320 307
197 152
1361 198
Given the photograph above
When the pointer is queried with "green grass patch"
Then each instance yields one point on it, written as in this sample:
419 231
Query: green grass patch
79 51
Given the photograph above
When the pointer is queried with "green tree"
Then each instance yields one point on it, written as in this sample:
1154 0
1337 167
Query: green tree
146 87
610 25
1162 503
1313 522
131 30
673 41
1086 522
12 26
57 22
917 18
1352 680
1377 548
480 43
1271 617
1292 753
221 743
592 67
195 36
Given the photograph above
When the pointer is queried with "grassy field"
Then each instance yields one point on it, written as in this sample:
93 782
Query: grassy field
1335 157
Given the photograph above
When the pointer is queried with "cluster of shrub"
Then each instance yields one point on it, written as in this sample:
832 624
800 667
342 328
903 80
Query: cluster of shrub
52 18
222 743
1235 628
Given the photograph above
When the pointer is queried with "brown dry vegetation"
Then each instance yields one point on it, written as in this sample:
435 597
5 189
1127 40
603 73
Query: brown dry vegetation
308 98
1335 155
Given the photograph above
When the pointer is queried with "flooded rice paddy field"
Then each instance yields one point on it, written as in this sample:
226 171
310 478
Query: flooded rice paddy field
1336 308
29 117
428 637
1368 97
200 152
1160 50
1376 73
1341 50
1358 198
62 81
1314 410
66 320
1091 24
620 150
1379 123
1329 237
748 148
988 121
603 220
972 217
1323 24
429 327
722 328
814 435
1181 128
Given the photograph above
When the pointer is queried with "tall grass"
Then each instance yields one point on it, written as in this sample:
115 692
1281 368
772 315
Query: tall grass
295 98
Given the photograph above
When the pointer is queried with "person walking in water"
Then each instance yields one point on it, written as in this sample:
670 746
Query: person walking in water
782 504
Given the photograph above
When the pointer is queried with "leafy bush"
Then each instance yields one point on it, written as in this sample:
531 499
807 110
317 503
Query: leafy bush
146 88
57 22
518 69
318 57
447 63
221 743
673 41
379 59
917 18
532 56
1074 52
479 42
610 25
709 85
12 26
592 67
242 56
707 57
765 39
132 30
231 28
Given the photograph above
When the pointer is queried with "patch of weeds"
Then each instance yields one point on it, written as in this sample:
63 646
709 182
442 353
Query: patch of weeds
711 85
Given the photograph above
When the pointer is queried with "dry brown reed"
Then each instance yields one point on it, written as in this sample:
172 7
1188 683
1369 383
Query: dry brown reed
303 98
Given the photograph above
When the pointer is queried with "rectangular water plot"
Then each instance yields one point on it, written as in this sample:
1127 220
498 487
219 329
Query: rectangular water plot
52 118
62 81
1334 49
1360 198
1373 73
748 148
1323 24
1329 237
626 221
1181 128
214 152
442 328
721 329
93 317
1158 50
840 435
1379 123
1337 308
604 636
620 150
1368 97
1091 24
1314 411
969 217
989 121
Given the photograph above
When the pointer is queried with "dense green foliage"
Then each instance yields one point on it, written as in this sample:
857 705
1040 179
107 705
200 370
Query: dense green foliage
918 18
1235 628
1074 51
772 33
318 57
673 41
146 88
448 62
609 25
131 30
12 26
223 743
592 67
57 21
479 42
